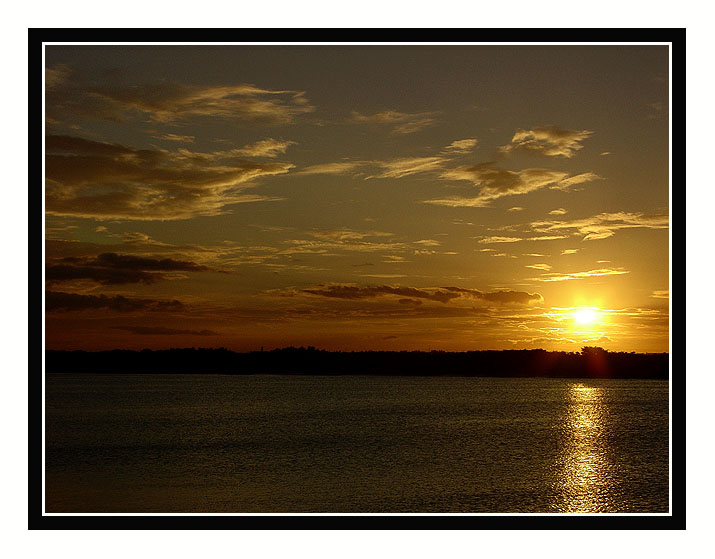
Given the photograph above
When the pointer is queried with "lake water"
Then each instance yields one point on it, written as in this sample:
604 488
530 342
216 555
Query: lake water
217 443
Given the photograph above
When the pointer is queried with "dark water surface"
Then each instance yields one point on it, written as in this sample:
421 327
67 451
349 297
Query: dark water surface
216 443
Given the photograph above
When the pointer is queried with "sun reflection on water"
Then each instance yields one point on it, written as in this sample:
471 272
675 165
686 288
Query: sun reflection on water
584 478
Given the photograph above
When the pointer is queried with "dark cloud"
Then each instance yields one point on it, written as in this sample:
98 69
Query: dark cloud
411 296
116 269
162 331
127 261
105 276
67 99
504 296
65 302
355 292
102 180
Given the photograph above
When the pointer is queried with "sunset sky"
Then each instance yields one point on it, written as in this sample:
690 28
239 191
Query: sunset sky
357 197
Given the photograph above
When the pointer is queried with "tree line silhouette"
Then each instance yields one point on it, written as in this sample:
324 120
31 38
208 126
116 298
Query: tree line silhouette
590 362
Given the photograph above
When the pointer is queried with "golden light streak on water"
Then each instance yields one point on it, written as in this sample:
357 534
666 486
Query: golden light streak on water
584 476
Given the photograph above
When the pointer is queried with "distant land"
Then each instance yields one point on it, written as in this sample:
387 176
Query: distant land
590 362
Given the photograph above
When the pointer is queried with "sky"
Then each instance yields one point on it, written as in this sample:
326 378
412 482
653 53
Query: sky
357 197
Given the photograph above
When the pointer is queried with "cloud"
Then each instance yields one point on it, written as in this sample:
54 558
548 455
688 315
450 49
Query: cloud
545 238
57 75
402 123
576 179
355 292
162 331
398 168
412 295
569 251
495 183
342 240
515 209
580 275
100 180
461 146
57 301
340 168
489 240
539 266
661 294
504 296
265 148
169 102
347 234
176 138
547 140
117 269
603 225
496 239
558 211
388 169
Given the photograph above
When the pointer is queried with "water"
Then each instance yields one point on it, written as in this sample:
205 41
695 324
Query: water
214 443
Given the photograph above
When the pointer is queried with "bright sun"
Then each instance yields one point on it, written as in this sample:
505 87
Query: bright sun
585 315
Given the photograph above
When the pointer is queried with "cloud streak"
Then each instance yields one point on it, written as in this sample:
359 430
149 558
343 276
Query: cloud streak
100 180
580 275
57 301
603 225
412 295
402 123
117 269
170 102
494 183
547 140
163 331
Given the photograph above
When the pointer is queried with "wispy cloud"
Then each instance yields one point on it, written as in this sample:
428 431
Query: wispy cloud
57 301
547 140
497 239
163 331
494 183
100 180
441 295
357 292
169 102
398 168
402 123
661 294
265 148
558 211
175 138
580 275
461 146
603 225
339 168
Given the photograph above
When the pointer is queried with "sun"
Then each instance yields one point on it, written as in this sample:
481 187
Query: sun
585 315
